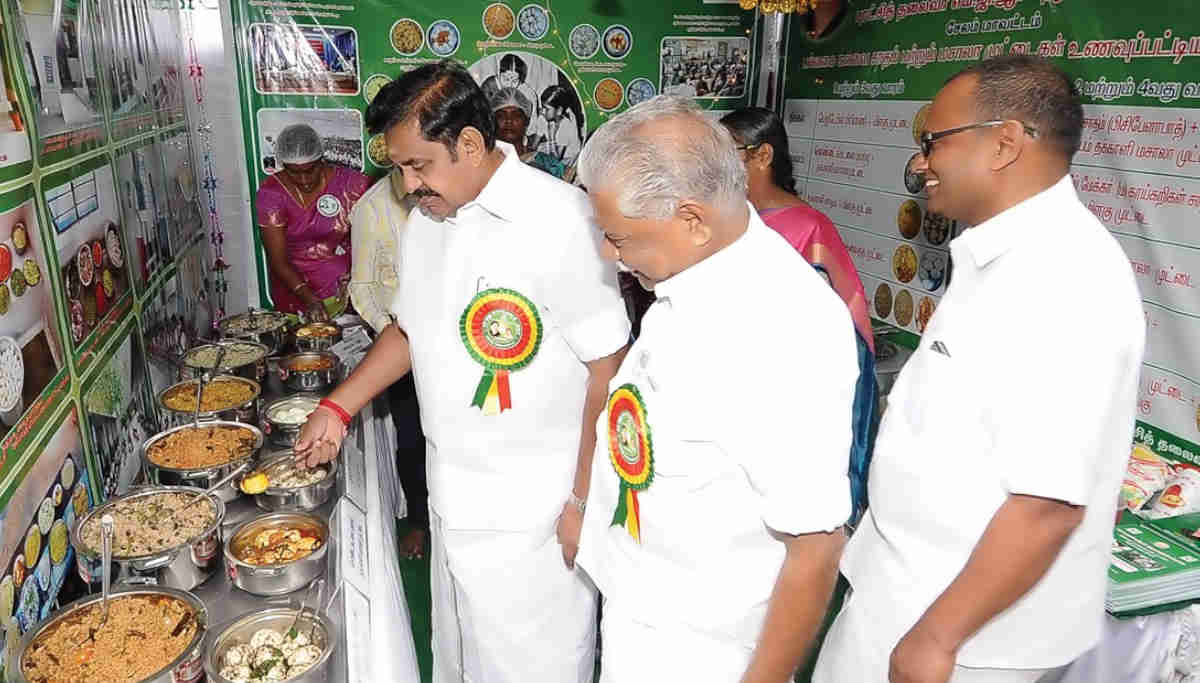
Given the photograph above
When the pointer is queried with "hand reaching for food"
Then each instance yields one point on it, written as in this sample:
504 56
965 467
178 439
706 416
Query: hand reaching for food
320 438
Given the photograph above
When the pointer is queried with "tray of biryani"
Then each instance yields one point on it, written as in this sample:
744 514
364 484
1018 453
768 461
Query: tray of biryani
225 392
151 634
208 445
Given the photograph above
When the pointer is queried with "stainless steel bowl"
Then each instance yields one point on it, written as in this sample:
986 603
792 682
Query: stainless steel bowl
309 380
240 630
255 370
284 434
268 328
310 497
276 579
245 412
183 566
186 668
314 342
199 477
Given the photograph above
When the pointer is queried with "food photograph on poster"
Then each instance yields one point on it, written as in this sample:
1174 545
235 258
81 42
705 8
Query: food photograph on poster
30 350
37 559
89 241
121 415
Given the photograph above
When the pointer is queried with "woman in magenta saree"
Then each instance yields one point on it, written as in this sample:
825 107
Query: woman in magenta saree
760 135
304 218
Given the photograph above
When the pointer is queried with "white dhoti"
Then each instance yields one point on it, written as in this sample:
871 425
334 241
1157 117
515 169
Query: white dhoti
507 610
854 652
635 652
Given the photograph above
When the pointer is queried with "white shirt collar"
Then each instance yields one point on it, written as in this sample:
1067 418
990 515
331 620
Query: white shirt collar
502 196
1013 226
713 271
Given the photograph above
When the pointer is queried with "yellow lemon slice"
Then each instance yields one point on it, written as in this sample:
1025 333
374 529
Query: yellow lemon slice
255 483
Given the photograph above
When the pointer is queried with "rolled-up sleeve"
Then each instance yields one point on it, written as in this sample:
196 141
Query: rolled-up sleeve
583 294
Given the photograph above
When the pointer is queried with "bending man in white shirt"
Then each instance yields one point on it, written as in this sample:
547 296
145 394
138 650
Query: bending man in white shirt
512 325
984 554
719 483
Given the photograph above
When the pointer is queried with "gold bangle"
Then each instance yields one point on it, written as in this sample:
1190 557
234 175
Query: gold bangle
299 287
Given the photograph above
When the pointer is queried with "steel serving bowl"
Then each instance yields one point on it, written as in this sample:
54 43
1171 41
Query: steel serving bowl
309 497
280 433
268 328
200 477
276 579
240 630
255 370
188 667
185 565
309 380
246 411
317 336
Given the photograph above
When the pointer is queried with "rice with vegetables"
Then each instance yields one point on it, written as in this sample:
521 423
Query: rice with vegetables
196 447
143 635
236 355
220 394
141 524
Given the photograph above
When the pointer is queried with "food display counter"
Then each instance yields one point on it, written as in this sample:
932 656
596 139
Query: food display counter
358 593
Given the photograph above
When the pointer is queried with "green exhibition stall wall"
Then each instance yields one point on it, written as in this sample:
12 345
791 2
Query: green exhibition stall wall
853 105
321 63
99 232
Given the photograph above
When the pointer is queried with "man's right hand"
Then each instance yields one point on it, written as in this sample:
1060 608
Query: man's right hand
320 438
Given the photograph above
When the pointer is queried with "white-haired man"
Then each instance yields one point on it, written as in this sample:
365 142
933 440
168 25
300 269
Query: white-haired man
719 485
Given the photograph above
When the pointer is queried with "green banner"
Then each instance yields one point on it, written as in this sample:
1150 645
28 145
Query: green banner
568 65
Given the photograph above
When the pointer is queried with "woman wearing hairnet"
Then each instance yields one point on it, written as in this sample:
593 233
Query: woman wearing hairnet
513 111
303 215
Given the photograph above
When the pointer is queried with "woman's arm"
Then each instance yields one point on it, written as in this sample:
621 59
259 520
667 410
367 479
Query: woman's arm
275 241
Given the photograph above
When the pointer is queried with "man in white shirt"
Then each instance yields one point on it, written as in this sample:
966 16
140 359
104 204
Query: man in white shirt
984 553
719 484
512 325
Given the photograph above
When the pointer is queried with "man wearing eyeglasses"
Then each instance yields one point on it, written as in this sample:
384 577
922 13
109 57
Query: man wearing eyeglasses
984 553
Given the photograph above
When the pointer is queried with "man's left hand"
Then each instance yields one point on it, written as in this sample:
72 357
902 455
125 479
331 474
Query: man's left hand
920 658
570 522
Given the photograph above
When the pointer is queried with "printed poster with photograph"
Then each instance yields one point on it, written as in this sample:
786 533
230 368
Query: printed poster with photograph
38 568
121 414
186 225
31 353
16 151
133 69
92 253
62 73
145 209
856 101
556 72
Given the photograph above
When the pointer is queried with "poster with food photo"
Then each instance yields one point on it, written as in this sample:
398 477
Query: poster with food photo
144 208
16 152
31 354
82 205
38 570
58 42
121 415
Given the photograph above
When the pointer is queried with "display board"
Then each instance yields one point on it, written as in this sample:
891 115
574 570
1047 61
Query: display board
576 63
98 216
853 109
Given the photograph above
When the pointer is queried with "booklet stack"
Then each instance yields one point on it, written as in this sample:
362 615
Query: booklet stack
1155 564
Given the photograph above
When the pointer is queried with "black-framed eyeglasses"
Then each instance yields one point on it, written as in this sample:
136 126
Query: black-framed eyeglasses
927 138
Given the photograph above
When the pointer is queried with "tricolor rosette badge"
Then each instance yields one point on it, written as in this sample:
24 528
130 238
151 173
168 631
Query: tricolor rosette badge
502 331
631 452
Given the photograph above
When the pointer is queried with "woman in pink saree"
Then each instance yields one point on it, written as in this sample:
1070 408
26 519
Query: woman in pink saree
304 218
760 135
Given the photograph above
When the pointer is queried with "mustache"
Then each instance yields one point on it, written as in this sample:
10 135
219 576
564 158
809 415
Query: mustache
424 192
